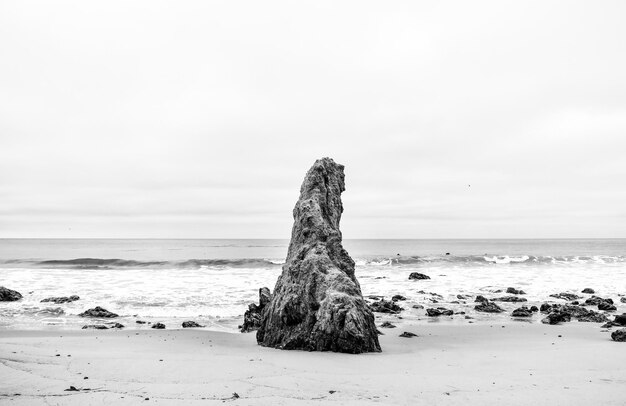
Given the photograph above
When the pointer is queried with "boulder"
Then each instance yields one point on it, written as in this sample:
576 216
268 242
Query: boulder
534 309
589 291
317 304
607 307
596 300
487 306
619 335
440 311
522 312
545 308
514 291
191 324
620 319
8 295
418 276
509 299
566 296
61 299
481 299
252 316
158 326
98 312
557 317
385 306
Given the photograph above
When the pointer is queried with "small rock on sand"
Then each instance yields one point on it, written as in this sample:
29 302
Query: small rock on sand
191 324
522 312
407 334
95 327
158 326
387 324
514 291
589 291
440 311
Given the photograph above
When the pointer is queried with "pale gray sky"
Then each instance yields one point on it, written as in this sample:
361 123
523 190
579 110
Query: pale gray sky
200 118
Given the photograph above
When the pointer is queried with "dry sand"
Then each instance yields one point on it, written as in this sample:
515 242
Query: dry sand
519 364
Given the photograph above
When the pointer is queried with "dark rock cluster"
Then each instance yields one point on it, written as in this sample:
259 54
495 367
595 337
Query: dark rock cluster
440 311
191 324
486 306
317 304
385 306
418 276
514 291
619 335
566 296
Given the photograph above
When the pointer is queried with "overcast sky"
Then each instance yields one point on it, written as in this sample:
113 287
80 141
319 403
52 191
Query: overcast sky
200 118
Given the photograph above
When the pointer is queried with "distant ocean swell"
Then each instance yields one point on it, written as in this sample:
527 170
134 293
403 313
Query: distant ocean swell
469 260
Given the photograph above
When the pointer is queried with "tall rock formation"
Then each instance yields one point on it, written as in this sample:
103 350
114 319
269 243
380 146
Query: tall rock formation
317 303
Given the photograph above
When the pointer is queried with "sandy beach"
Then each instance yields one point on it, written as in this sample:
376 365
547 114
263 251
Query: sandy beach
518 364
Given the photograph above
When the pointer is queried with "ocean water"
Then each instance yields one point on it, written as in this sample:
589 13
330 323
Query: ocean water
213 281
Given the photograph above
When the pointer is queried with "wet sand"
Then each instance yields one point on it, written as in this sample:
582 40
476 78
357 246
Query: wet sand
486 364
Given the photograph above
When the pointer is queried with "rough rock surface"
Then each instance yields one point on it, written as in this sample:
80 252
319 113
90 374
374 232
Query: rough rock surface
418 276
62 299
522 312
597 300
8 295
557 317
191 324
252 316
98 312
440 311
620 319
514 291
619 335
385 306
566 296
158 326
317 303
509 299
589 290
607 306
486 306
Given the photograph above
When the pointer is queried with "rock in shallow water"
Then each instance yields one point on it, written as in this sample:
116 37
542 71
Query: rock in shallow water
317 303
385 306
98 312
61 299
522 312
488 307
514 291
566 296
557 317
509 299
418 276
8 295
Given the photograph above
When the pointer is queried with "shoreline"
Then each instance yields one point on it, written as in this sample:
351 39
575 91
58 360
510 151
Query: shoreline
518 364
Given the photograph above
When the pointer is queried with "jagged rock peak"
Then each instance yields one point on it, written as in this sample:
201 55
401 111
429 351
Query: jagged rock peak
317 302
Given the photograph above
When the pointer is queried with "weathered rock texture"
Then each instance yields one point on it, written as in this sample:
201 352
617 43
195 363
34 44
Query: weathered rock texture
317 303
8 295
252 317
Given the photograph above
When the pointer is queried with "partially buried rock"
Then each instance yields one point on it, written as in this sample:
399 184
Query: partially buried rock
398 298
117 325
597 300
522 312
98 312
252 316
95 327
619 335
514 291
566 296
61 299
385 306
440 311
487 306
589 291
158 326
8 295
418 276
387 324
191 324
407 334
557 317
317 304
